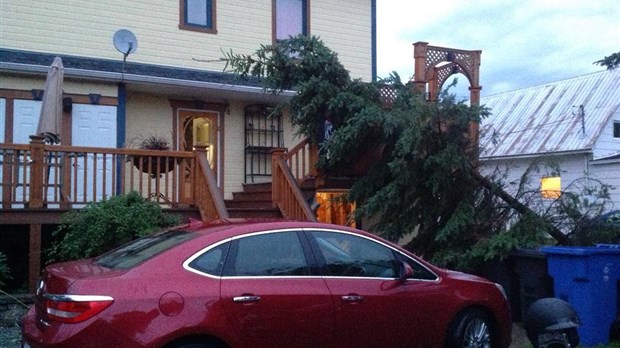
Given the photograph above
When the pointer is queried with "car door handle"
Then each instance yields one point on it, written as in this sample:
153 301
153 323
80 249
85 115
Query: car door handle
351 298
246 298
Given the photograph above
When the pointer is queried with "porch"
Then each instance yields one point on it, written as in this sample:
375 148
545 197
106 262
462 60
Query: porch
40 182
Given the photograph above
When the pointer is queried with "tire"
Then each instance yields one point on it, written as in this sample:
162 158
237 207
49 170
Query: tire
471 329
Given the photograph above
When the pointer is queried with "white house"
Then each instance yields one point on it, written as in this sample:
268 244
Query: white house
574 122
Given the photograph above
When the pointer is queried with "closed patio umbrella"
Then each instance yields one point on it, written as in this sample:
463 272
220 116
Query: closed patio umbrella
51 107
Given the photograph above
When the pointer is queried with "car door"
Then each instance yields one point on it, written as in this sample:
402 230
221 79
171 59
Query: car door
373 308
271 295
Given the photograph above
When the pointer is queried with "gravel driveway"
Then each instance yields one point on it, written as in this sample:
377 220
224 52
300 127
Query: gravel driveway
9 337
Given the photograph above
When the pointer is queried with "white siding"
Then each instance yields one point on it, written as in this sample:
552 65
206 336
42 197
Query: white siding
607 145
609 174
573 168
86 27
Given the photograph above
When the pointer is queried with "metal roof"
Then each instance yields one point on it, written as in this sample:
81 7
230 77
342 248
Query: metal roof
548 118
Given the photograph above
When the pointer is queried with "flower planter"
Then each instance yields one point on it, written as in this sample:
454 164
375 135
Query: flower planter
154 165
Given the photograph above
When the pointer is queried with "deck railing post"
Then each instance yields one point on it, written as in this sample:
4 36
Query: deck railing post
276 155
198 148
37 171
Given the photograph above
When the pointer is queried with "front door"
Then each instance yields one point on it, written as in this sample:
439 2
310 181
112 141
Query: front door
197 127
93 126
25 120
200 128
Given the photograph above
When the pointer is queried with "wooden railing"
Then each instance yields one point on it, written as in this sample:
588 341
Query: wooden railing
302 160
286 194
208 196
37 175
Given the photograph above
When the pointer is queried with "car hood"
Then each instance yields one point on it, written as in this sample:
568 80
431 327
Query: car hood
464 276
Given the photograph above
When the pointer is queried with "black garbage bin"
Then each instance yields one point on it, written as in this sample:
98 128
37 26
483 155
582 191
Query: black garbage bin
534 281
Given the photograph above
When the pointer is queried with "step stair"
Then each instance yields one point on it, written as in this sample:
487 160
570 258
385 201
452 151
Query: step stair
253 202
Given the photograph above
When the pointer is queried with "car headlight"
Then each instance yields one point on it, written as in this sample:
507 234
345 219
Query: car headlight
501 289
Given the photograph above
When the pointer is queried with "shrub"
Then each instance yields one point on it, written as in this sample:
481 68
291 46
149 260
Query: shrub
105 225
5 272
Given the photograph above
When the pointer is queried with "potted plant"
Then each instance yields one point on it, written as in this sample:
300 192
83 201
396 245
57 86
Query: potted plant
153 164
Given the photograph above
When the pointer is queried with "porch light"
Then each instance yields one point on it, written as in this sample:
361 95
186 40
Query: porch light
37 94
94 98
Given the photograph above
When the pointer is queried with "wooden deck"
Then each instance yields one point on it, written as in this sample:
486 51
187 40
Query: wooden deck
40 182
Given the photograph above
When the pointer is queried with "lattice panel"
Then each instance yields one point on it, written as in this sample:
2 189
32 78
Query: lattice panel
436 55
387 94
444 72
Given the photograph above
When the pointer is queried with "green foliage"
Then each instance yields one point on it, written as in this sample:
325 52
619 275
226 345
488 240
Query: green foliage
324 87
5 272
107 224
422 180
611 62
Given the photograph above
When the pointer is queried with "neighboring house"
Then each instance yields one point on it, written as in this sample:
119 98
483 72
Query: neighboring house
573 122
173 85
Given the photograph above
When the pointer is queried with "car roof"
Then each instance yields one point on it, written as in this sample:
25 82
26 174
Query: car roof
243 226
236 227
230 228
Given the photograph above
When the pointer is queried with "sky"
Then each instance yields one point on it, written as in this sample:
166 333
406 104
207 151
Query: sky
524 42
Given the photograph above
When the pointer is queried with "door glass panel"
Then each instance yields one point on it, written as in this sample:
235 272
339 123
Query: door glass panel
198 130
347 255
273 254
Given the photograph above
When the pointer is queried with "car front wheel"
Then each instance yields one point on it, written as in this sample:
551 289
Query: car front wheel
471 329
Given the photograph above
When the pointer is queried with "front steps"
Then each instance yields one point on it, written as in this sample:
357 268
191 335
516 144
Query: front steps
254 202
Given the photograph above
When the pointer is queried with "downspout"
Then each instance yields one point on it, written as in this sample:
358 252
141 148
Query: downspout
121 116
373 33
586 165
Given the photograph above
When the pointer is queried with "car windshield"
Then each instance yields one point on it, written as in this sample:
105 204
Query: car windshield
141 249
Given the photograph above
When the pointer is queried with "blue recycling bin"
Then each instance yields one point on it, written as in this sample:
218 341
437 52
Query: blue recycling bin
587 278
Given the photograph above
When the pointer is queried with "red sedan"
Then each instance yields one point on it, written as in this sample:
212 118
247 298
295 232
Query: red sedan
268 284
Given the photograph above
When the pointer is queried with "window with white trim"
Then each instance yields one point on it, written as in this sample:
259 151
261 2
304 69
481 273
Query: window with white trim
617 129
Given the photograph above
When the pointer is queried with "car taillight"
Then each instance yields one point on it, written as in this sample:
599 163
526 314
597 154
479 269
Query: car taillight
74 308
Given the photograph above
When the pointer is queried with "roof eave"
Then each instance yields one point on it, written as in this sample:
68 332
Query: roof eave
116 77
536 155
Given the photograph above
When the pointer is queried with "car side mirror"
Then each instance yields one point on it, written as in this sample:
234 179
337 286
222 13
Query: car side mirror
405 271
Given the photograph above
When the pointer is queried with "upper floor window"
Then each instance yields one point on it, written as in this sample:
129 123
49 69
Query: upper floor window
291 18
198 15
617 129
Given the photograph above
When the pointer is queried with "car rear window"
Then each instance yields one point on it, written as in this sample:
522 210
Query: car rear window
142 249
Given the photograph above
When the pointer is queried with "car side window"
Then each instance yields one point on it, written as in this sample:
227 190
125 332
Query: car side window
271 254
347 255
419 272
212 261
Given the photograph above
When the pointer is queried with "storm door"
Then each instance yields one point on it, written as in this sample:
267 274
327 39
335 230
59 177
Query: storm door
200 128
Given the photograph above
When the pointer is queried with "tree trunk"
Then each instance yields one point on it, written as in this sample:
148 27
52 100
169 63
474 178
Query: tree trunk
519 207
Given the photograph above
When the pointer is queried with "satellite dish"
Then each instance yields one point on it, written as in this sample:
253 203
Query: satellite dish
125 41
